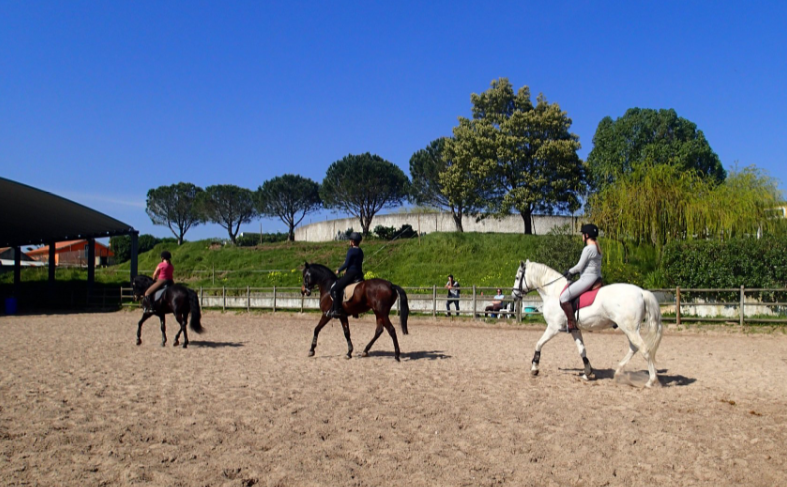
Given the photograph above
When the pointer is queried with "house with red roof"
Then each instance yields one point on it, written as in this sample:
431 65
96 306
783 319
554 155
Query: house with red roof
73 253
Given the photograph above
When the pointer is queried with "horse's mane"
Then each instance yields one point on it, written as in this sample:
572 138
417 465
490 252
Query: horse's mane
542 273
323 270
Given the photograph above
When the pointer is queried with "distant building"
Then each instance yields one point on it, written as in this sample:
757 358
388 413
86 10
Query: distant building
7 259
73 253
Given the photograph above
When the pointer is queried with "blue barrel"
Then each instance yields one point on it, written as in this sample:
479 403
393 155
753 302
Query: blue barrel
530 309
10 306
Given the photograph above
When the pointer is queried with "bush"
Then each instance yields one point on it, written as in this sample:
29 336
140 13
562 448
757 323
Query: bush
729 263
390 233
252 239
121 245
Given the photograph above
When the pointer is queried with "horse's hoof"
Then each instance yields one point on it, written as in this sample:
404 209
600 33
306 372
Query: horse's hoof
185 345
348 356
176 343
534 372
365 354
311 353
139 342
397 358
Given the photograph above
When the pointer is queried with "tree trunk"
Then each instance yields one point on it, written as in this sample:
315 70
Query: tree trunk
527 216
457 221
291 234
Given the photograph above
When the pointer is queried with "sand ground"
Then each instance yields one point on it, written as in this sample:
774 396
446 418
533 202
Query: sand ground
81 404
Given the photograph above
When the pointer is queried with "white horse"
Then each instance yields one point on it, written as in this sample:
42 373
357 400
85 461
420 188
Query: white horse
634 310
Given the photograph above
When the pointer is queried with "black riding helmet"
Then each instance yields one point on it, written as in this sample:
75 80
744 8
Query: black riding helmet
590 230
166 255
356 237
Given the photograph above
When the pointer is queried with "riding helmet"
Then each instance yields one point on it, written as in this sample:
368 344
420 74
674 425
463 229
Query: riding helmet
166 255
356 237
590 230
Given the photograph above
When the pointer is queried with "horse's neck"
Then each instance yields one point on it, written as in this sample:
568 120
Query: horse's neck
326 280
546 280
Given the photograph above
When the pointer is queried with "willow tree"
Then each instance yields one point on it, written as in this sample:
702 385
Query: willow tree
657 203
522 156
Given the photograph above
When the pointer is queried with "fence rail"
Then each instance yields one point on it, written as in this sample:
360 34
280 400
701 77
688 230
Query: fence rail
753 305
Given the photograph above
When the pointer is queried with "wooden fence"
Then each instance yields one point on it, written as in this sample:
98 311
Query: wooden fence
752 305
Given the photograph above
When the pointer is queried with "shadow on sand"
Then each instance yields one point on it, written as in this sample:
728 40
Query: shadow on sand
638 377
423 355
209 344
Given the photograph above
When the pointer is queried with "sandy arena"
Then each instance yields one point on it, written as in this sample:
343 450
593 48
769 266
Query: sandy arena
81 404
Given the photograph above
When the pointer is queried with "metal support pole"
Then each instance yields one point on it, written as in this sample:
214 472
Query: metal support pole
434 301
677 305
474 303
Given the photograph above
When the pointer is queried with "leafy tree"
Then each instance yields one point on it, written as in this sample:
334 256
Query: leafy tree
657 136
175 207
521 157
451 191
229 206
289 198
121 245
362 185
658 203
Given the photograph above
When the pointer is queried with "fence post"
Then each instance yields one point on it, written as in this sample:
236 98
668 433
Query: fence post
274 299
434 301
248 299
677 305
475 316
213 275
303 296
518 308
742 315
201 297
223 298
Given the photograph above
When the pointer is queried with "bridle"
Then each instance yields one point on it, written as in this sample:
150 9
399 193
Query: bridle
523 289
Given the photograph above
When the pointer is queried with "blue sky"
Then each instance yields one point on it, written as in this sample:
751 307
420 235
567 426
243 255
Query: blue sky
102 101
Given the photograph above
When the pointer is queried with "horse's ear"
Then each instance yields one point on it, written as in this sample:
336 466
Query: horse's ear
521 263
305 265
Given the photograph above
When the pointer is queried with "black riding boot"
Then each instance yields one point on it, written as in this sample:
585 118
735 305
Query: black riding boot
336 310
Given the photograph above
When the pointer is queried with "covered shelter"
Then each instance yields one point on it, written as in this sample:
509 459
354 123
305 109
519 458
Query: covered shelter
31 216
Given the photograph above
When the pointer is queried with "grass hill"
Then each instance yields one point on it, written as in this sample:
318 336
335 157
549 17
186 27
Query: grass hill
481 259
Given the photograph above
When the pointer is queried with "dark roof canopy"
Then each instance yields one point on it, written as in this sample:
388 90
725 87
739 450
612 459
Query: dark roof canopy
31 216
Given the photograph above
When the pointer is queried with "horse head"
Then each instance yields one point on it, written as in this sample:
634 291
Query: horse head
139 284
520 282
308 284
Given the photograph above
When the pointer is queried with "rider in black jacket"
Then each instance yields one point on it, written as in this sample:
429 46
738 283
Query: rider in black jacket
353 267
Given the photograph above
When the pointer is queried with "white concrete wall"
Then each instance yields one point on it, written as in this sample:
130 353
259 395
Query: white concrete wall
430 222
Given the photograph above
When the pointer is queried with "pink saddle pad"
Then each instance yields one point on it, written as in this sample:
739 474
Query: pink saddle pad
586 298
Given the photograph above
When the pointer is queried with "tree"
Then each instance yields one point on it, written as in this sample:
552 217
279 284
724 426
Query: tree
175 207
657 136
229 206
437 182
659 203
289 198
522 156
362 185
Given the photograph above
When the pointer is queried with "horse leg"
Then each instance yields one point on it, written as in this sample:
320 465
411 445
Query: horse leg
145 317
377 332
346 328
587 373
653 379
632 351
183 322
163 330
323 320
550 333
392 332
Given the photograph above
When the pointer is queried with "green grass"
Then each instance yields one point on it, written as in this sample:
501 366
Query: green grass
481 259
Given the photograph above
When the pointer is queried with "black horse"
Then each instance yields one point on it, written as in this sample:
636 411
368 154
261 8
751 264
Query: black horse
176 299
377 295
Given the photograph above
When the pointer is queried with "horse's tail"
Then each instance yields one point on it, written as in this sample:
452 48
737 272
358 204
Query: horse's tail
196 313
651 329
404 308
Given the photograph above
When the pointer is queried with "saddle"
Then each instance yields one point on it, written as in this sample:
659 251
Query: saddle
154 299
585 299
349 289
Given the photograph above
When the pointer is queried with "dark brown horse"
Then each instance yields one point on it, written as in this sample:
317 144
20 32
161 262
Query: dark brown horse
176 299
377 295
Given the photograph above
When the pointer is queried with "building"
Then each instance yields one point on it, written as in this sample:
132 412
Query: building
7 259
73 253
